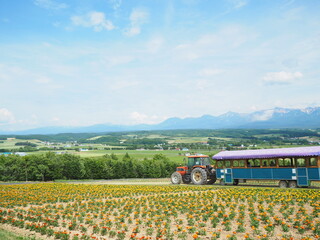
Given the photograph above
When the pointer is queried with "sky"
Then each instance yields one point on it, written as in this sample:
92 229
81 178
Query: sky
85 62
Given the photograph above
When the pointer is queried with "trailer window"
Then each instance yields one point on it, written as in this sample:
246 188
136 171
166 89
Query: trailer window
301 162
253 163
238 163
272 162
235 163
265 163
241 163
227 164
313 162
285 162
250 163
220 164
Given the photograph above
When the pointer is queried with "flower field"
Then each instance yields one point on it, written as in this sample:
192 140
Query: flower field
82 211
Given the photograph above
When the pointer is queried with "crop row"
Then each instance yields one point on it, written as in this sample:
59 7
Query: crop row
65 211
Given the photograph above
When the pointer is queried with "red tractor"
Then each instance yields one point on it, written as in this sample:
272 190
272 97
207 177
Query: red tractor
198 170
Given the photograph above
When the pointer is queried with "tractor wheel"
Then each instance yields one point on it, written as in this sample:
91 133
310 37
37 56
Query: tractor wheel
176 178
199 176
186 179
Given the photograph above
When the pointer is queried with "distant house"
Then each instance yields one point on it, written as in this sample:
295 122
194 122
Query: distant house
21 154
6 153
59 153
185 149
140 149
83 149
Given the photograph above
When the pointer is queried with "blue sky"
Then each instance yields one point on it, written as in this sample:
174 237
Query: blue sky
83 62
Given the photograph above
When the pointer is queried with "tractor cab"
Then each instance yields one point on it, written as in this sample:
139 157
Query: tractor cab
201 160
197 170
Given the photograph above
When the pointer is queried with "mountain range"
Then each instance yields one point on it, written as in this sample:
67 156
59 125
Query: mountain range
272 118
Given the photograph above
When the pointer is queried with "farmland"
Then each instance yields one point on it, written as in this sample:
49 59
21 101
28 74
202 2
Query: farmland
114 209
83 211
98 144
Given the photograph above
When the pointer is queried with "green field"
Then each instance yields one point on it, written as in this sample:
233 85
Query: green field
99 151
176 156
145 144
10 144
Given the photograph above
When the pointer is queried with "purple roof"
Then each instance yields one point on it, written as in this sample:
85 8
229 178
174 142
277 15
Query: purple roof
268 153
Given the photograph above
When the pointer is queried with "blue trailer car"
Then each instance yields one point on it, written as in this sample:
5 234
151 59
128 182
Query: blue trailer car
291 166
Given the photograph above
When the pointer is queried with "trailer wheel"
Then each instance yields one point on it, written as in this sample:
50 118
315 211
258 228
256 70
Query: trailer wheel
292 184
283 184
212 181
222 182
199 176
235 182
213 176
176 178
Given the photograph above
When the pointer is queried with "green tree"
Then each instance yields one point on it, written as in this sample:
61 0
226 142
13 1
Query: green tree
73 167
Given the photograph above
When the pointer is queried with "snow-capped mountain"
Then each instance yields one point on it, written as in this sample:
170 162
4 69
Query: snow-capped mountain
271 118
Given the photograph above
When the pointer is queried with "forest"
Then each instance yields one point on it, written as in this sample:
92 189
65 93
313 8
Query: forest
50 166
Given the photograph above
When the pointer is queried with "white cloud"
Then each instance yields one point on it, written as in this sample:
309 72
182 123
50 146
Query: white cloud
202 84
55 119
238 3
10 73
155 44
227 41
119 60
43 80
182 46
140 118
263 116
50 4
115 4
95 20
124 84
6 116
274 78
28 121
235 5
138 17
207 72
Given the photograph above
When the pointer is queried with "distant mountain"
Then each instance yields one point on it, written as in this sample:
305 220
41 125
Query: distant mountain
285 118
272 118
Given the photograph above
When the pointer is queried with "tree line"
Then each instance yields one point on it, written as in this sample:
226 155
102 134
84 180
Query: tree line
50 166
115 137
